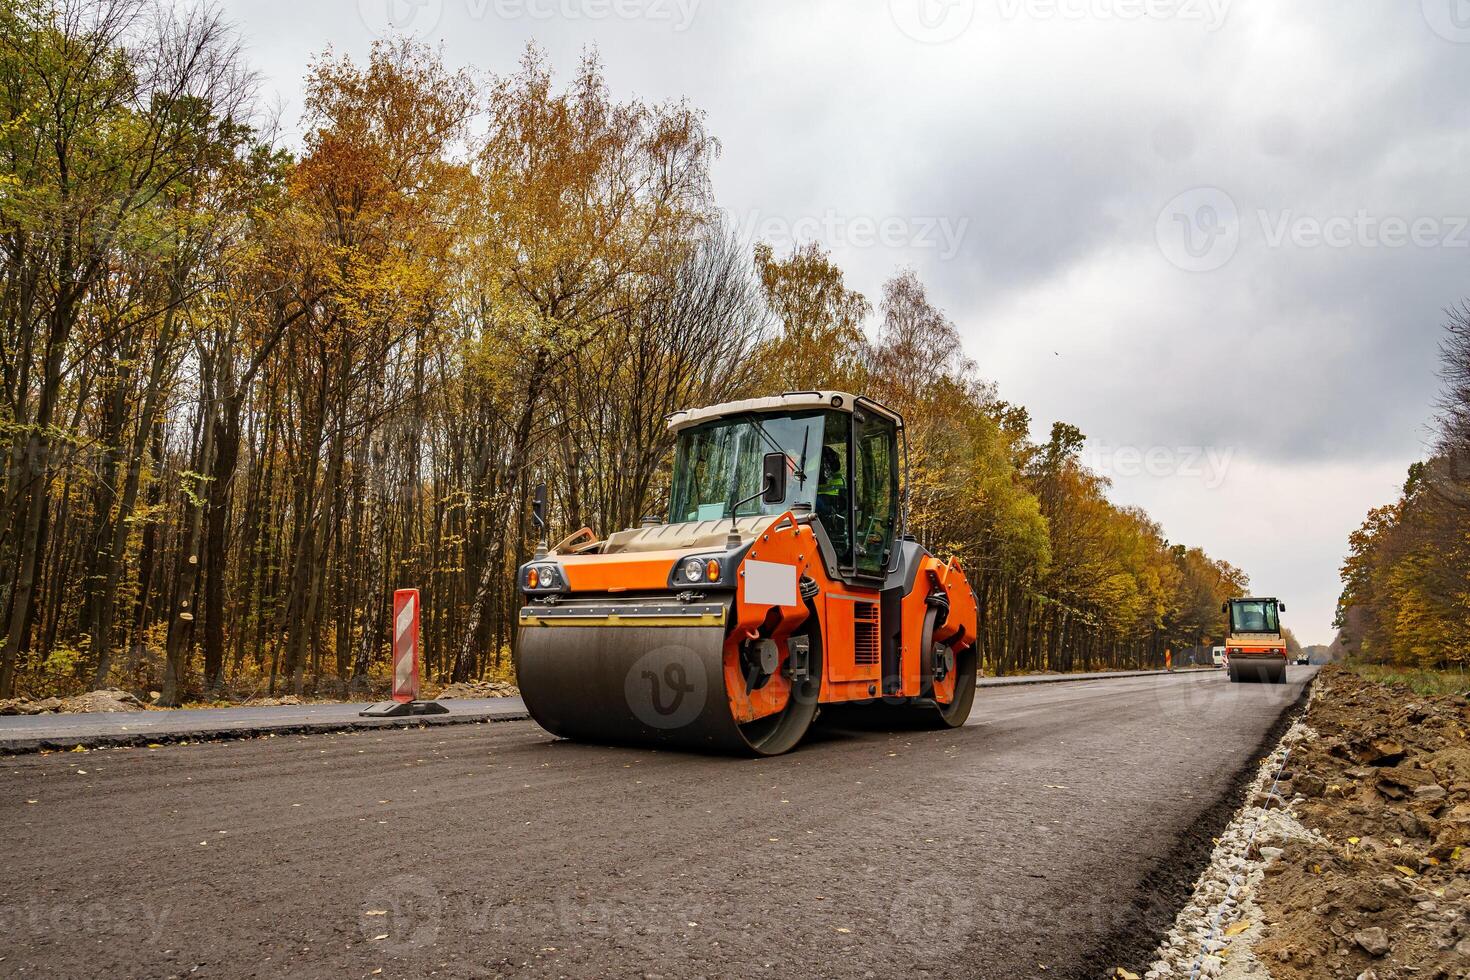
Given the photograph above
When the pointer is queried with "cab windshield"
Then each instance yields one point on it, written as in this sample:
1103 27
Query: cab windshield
1254 616
719 463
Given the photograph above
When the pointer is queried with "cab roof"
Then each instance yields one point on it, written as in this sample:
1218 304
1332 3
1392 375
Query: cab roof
787 401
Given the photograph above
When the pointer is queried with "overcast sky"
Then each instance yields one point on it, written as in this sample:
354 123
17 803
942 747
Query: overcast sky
1217 236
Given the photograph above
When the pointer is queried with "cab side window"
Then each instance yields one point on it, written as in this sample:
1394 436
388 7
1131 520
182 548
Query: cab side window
834 487
875 504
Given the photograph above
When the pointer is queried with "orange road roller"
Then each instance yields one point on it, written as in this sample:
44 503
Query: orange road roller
782 582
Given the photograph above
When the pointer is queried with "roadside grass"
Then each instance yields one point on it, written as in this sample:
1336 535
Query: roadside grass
1450 681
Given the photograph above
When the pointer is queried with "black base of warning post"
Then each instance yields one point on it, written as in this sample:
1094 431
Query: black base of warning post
402 709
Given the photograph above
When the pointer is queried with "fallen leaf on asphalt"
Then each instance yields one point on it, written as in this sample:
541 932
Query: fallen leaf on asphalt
81 772
79 748
1407 871
377 971
383 936
1237 928
846 931
33 801
1123 974
376 912
1355 840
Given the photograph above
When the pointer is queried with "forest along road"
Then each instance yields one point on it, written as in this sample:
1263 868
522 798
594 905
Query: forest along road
1053 836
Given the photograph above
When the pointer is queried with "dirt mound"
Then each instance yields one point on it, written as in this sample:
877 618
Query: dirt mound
478 689
29 706
289 699
106 700
1385 894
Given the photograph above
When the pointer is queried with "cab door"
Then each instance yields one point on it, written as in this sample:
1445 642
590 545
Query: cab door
875 496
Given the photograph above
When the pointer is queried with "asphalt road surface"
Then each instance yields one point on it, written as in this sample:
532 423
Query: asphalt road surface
1054 836
31 733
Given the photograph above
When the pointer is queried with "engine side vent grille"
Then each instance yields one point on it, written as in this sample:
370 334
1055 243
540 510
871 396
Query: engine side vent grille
867 648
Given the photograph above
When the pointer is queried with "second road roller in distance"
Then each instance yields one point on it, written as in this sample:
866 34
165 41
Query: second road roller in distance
782 581
1255 647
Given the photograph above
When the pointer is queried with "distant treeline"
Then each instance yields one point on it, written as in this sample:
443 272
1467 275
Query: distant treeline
248 392
1406 580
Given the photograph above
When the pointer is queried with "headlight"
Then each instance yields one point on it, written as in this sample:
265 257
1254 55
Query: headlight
542 577
694 570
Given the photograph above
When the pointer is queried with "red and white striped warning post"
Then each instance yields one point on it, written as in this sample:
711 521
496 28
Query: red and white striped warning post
406 645
405 663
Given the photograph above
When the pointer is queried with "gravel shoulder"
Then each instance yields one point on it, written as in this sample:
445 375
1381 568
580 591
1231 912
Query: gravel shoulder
1351 857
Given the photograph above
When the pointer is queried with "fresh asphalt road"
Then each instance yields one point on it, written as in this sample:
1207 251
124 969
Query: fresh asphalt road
1053 836
30 733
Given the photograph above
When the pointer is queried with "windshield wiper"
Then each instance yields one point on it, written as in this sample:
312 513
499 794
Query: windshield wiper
770 440
801 466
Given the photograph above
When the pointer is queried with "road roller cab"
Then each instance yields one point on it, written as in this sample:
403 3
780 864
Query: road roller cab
782 580
1255 646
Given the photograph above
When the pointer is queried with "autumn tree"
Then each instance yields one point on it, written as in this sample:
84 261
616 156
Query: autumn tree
586 202
819 339
1405 596
113 111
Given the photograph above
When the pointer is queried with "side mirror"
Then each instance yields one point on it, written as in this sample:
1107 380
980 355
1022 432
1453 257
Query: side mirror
538 505
1225 608
1281 607
773 478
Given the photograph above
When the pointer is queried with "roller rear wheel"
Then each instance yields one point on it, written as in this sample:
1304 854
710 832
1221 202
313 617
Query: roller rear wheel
957 711
948 702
